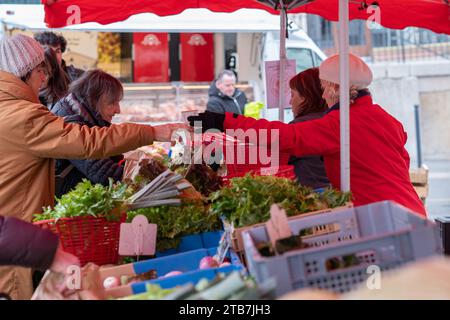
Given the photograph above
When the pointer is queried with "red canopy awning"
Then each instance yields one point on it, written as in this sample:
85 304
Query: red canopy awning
396 14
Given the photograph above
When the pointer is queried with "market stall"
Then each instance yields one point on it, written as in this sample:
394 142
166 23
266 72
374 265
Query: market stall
314 239
433 15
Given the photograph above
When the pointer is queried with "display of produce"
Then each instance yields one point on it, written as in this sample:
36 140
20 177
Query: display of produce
96 200
87 199
233 286
190 217
247 200
202 177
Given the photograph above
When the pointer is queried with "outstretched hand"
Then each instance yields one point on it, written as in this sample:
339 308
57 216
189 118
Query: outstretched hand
164 132
208 120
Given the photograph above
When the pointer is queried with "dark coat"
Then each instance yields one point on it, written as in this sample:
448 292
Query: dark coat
310 170
97 171
26 245
220 103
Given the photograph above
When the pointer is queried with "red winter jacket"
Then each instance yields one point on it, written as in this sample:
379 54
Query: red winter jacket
379 162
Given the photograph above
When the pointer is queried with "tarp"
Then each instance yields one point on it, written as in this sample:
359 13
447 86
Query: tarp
396 14
191 20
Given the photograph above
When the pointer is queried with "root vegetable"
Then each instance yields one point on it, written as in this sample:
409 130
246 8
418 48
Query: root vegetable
208 262
172 273
111 282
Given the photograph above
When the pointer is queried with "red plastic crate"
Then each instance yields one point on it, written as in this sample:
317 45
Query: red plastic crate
244 156
90 239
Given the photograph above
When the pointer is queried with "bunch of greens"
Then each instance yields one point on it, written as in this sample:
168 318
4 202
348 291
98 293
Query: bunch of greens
201 176
87 199
176 221
248 199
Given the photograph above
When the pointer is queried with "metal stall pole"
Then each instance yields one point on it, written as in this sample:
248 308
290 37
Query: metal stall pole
283 60
419 143
344 99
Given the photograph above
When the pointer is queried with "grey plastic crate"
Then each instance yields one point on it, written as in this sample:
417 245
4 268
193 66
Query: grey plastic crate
384 234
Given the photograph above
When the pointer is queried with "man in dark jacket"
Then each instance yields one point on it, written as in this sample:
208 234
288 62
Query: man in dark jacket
58 43
223 95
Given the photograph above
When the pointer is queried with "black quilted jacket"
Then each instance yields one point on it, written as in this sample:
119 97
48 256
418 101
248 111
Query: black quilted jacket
97 171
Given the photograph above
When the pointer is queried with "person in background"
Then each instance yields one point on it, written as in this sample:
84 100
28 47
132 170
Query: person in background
224 96
31 138
92 100
379 162
59 44
57 83
307 104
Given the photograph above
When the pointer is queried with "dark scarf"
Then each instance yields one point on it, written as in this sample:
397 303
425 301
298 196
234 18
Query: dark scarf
89 116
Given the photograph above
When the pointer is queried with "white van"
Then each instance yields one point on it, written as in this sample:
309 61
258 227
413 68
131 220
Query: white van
299 47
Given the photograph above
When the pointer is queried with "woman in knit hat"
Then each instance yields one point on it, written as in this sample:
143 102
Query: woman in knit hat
31 137
379 162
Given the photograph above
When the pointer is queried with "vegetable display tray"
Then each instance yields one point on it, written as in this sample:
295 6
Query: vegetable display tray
187 262
346 247
194 242
237 241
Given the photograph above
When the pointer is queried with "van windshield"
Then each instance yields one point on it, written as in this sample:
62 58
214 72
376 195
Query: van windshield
303 57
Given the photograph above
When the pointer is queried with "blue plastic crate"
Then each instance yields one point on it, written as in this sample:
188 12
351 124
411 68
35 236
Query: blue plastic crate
211 239
383 234
188 263
194 242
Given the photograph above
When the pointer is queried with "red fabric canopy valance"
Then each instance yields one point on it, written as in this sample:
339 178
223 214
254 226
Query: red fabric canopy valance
396 14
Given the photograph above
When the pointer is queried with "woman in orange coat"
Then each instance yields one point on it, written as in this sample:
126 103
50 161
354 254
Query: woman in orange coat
31 137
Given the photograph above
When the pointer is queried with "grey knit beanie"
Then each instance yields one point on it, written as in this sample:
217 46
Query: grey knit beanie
20 54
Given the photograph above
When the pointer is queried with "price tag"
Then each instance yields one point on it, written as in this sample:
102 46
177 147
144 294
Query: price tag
137 238
278 226
224 246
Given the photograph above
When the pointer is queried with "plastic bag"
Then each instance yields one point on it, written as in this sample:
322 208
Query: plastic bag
253 109
57 286
134 158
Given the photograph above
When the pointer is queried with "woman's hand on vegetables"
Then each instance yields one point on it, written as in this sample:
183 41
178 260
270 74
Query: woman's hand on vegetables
164 132
63 260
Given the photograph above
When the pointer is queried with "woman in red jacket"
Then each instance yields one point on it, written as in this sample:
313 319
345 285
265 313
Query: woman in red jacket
379 162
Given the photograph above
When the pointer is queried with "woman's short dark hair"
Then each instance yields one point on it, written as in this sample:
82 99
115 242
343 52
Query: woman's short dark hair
57 82
48 38
94 86
307 84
